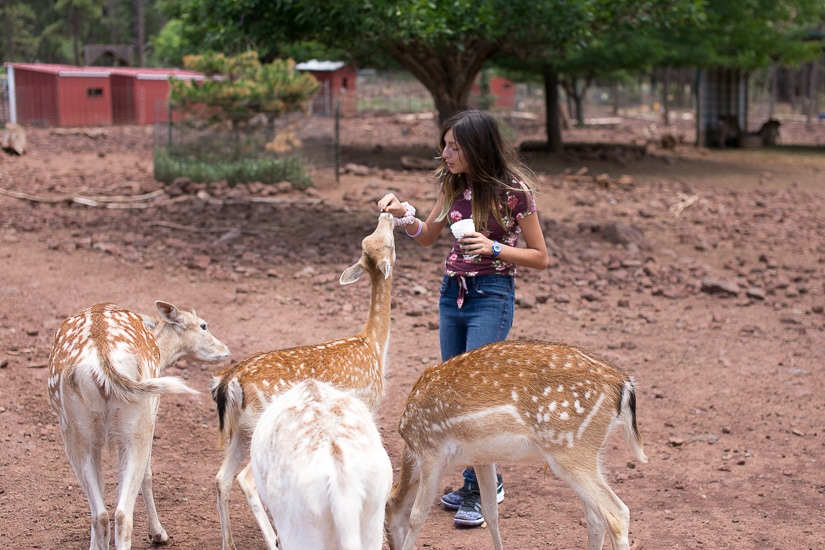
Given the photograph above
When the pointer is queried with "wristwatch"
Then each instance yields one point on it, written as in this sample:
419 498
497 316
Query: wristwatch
496 248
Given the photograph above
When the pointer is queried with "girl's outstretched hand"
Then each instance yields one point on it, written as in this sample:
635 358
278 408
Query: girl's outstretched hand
390 203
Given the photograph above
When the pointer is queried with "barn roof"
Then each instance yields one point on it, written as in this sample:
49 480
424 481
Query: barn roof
140 73
315 65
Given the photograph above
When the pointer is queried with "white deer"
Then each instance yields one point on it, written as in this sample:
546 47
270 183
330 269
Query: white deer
321 469
514 402
104 385
355 363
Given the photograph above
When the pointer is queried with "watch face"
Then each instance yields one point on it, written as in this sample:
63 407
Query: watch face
496 248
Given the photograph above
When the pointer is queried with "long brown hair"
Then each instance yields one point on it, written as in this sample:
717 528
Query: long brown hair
492 166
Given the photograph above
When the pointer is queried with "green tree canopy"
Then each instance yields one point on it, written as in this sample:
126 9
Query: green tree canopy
18 40
746 35
443 43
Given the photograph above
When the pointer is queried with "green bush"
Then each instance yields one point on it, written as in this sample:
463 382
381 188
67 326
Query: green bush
203 169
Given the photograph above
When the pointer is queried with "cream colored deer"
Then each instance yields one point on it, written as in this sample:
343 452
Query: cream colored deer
321 469
514 402
355 363
104 385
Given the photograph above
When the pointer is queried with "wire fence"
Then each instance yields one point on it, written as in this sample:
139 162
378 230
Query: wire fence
392 110
387 110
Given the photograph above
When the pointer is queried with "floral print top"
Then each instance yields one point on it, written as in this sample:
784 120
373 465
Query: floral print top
519 205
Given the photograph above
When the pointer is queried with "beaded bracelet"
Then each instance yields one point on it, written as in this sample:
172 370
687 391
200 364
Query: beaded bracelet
417 233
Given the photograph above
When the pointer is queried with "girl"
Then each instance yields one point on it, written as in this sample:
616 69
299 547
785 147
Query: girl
481 179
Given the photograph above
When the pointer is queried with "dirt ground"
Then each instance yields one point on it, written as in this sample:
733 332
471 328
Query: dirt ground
701 273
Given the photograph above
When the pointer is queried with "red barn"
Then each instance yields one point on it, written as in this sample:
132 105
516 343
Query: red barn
501 88
59 95
337 83
63 95
141 95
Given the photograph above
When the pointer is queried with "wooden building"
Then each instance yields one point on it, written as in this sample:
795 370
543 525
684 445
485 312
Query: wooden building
59 95
43 94
338 83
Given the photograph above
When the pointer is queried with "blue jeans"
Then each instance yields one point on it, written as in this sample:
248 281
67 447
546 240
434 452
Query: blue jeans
485 316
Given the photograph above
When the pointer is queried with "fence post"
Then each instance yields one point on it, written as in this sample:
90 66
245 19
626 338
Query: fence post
169 127
337 138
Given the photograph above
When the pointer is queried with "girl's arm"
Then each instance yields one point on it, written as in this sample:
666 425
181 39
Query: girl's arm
533 254
426 232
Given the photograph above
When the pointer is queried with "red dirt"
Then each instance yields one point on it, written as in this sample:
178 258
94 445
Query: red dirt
728 400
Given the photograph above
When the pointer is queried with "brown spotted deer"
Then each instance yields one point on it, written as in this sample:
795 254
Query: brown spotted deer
104 383
321 469
514 402
355 363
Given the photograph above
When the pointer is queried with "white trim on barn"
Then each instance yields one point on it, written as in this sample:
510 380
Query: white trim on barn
315 65
12 95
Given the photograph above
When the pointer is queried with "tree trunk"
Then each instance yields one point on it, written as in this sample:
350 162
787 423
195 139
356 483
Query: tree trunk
113 10
813 79
10 53
614 94
578 99
681 84
665 92
816 77
552 110
792 74
141 33
74 21
447 75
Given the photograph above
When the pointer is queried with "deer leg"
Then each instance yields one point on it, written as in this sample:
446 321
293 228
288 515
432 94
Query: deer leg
400 503
134 451
614 513
605 513
424 497
157 534
85 458
246 481
223 484
486 477
90 475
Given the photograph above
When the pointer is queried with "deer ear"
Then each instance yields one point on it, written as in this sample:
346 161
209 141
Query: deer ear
351 274
386 268
168 312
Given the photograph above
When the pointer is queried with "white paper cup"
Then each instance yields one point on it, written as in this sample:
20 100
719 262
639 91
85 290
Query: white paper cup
461 228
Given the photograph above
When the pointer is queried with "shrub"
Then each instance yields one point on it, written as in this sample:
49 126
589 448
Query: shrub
170 164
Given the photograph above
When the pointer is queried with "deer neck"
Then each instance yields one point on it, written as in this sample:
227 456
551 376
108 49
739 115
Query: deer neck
378 322
168 343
